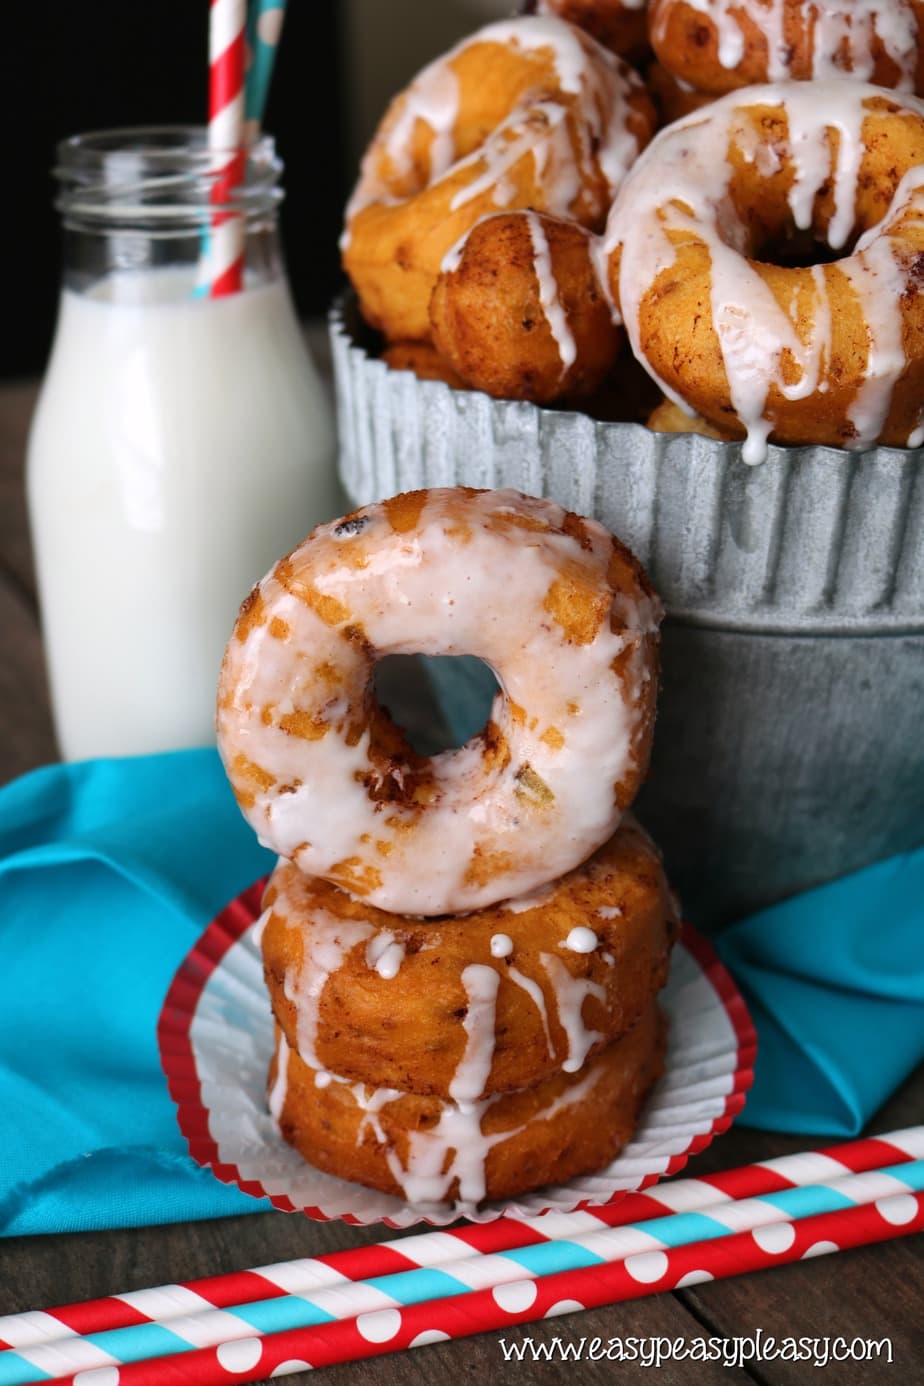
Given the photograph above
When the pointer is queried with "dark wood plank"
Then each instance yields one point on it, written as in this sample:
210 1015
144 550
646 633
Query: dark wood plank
45 1270
27 739
16 405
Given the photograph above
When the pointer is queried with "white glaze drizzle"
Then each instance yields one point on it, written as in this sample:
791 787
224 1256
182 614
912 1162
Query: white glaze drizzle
385 954
552 307
331 939
537 996
432 97
473 1071
324 815
371 1100
540 133
570 994
754 330
277 1095
838 28
581 940
501 945
609 911
879 280
531 900
259 927
457 1149
598 82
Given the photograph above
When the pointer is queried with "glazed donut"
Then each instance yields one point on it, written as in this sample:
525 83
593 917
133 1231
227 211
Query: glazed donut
465 1007
718 45
827 353
519 311
323 775
529 112
427 1151
620 25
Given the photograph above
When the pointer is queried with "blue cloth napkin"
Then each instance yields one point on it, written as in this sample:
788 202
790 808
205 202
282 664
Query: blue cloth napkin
110 870
834 980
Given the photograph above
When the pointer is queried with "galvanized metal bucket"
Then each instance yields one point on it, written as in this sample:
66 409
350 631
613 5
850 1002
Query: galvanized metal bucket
790 740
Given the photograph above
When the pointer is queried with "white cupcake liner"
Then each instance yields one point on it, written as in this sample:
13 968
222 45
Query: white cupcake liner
216 1040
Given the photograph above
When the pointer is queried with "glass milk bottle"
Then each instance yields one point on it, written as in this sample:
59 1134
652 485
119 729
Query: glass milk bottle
181 444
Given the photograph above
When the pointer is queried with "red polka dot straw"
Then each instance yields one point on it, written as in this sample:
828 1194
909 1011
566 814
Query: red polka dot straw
321 1315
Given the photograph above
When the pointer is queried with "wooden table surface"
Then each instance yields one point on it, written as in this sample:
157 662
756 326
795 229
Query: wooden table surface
872 1292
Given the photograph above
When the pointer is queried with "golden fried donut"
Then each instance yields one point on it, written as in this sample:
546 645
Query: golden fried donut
620 25
426 1150
530 112
468 1006
424 360
558 608
520 312
698 239
673 98
668 417
718 45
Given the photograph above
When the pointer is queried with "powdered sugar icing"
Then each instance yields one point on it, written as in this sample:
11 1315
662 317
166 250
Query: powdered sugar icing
754 330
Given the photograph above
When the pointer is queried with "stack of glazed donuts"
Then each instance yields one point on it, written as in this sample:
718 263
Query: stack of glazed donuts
517 219
463 952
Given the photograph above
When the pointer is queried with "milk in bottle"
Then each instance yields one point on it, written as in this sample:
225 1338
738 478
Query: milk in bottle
181 443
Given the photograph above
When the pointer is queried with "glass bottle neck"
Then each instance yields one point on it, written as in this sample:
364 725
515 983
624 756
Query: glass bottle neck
145 202
109 262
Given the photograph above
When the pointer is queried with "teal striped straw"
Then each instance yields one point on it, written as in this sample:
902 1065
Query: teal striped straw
264 26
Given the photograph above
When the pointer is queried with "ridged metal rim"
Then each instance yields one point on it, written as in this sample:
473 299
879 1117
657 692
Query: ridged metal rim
815 540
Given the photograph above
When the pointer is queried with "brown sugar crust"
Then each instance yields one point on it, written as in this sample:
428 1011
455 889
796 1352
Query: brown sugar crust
408 1030
519 137
686 39
675 326
562 1127
522 313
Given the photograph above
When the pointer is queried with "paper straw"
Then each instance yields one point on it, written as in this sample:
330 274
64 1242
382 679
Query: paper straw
225 247
264 27
387 1258
646 1244
562 1291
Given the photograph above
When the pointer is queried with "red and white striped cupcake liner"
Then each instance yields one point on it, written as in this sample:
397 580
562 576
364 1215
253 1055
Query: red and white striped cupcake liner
216 1037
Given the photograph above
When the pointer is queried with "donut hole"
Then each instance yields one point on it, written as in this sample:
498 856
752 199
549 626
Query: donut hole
761 225
764 176
439 702
797 249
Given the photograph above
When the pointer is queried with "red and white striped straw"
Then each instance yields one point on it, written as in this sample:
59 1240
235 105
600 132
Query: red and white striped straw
227 63
389 1258
583 1242
523 1301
